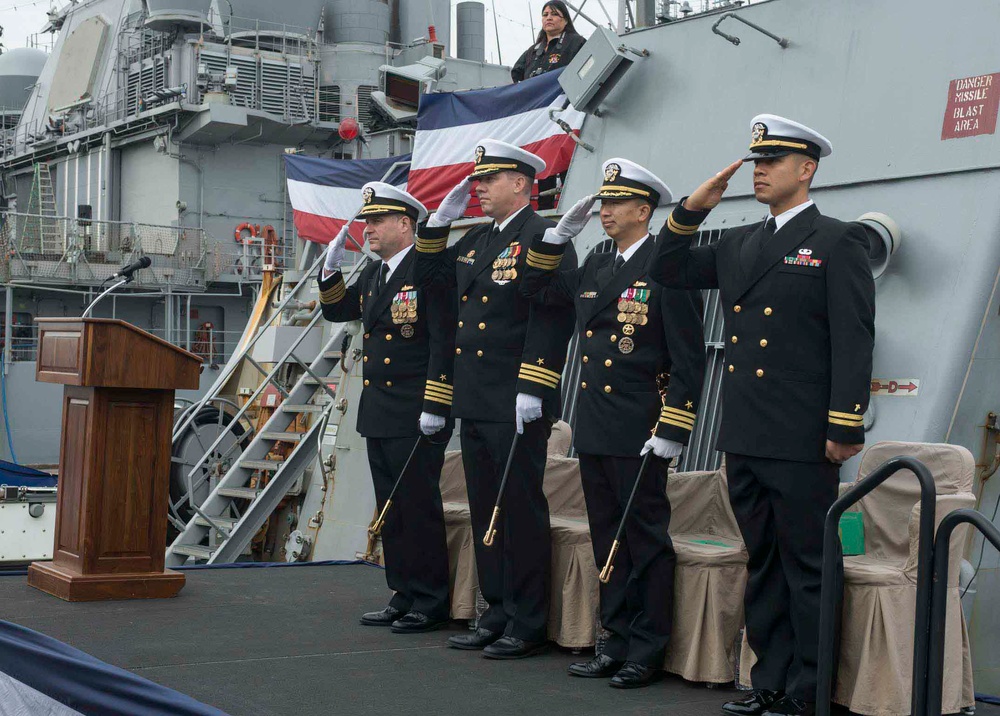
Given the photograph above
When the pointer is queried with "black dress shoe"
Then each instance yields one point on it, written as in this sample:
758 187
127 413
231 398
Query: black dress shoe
759 701
787 706
634 675
416 623
600 667
383 618
473 641
510 647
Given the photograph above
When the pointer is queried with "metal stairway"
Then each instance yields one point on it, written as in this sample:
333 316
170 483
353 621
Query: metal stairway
235 510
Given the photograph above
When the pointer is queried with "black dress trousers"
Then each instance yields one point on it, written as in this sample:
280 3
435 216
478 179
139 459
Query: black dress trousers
637 604
514 573
781 506
413 537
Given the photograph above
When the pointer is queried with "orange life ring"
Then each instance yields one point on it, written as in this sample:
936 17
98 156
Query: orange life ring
246 225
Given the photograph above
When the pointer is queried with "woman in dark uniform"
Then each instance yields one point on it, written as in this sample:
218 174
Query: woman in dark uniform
556 45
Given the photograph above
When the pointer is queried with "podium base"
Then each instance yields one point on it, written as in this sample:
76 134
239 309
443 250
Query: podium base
73 586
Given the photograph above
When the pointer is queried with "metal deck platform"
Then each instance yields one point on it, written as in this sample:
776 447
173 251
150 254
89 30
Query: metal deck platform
286 641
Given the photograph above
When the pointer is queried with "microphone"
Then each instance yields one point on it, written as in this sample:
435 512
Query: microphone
127 271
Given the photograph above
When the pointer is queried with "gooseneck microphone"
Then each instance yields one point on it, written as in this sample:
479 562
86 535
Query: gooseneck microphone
127 271
125 275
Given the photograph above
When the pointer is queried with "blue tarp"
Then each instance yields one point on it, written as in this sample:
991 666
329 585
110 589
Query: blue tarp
13 474
86 684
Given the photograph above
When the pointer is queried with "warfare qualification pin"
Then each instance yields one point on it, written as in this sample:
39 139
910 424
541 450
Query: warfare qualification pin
626 345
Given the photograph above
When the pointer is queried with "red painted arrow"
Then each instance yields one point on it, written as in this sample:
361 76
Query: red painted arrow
909 387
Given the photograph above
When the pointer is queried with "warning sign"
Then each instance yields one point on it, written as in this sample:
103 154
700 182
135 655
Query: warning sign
902 386
972 107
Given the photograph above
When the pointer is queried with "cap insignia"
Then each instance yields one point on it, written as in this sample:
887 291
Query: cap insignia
611 172
480 153
367 195
758 132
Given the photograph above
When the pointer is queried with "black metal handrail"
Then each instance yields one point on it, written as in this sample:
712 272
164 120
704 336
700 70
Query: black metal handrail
829 594
939 599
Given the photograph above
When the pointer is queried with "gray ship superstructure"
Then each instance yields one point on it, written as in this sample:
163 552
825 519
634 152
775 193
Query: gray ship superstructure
157 128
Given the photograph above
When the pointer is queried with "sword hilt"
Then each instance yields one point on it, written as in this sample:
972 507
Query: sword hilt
491 531
609 566
376 529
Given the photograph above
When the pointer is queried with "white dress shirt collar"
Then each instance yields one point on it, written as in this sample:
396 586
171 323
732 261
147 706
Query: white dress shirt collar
395 261
784 217
503 224
630 251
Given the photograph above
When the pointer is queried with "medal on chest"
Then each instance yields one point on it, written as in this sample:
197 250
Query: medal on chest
504 265
404 310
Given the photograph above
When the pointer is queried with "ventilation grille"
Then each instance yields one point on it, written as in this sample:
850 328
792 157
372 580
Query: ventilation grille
144 77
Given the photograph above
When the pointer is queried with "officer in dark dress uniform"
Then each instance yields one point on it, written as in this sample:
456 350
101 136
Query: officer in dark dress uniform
409 350
799 303
631 331
508 363
555 47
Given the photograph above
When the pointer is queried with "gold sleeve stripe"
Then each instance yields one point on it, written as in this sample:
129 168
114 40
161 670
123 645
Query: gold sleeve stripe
847 416
541 371
436 391
671 417
681 229
333 295
543 261
675 423
440 386
847 423
437 399
681 413
431 246
541 380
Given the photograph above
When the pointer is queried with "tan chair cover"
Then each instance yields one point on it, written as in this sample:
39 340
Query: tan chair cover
876 653
709 579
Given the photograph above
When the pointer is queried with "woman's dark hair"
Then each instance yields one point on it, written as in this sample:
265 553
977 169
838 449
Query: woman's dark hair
560 7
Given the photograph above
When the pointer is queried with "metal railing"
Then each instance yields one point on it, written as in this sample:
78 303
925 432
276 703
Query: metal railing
60 248
931 652
833 581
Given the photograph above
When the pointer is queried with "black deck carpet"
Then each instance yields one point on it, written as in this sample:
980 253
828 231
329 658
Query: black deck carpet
286 642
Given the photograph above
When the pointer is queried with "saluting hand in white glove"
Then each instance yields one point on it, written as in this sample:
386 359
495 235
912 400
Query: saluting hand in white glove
453 206
430 423
571 223
662 447
335 251
527 408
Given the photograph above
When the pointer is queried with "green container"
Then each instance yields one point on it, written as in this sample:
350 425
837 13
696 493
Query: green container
852 533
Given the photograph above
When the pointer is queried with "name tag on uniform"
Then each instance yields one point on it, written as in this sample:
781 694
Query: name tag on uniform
588 294
803 258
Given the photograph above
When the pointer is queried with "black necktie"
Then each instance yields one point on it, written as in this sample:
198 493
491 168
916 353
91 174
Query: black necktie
756 242
494 233
619 262
383 276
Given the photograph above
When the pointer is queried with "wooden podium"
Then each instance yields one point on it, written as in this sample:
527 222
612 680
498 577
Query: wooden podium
114 460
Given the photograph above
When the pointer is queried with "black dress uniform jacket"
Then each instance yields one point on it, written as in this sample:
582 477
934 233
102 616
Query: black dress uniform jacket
544 56
621 359
800 328
407 365
504 345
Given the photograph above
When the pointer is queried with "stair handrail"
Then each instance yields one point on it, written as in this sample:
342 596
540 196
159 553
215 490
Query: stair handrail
934 649
831 586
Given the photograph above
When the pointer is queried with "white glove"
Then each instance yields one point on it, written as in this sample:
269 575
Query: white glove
527 408
662 447
571 223
453 206
335 251
430 423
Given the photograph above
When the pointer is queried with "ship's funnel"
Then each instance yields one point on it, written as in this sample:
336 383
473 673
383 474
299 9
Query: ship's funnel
471 17
358 21
169 14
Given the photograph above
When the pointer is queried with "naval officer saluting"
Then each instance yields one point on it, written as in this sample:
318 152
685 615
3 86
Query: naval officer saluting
631 331
799 304
508 363
408 355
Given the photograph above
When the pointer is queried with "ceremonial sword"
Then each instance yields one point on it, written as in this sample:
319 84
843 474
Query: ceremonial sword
492 529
